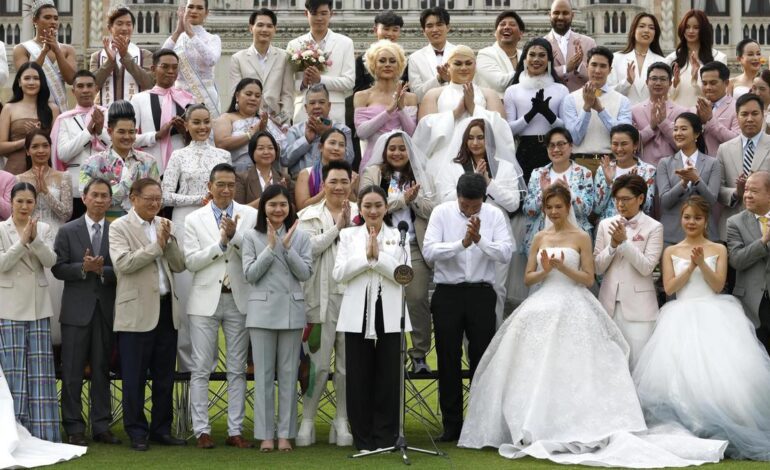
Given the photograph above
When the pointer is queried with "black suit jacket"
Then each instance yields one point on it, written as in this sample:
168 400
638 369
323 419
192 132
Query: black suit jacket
80 295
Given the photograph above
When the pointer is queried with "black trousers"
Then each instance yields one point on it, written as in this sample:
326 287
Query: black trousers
459 309
92 344
372 385
155 351
531 153
763 332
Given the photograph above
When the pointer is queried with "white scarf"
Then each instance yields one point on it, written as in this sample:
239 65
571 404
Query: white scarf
539 82
130 87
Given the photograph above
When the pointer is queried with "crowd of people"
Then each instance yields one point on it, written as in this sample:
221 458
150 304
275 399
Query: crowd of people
594 226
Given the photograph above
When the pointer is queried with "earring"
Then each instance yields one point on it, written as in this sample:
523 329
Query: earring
236 106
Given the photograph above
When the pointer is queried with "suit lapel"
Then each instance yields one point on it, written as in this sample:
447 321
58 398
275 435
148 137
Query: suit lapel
14 236
752 223
700 165
738 160
105 249
558 57
763 147
210 222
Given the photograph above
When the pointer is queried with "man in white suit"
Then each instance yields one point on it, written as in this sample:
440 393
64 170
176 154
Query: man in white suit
213 238
496 64
267 63
742 156
569 47
159 110
427 66
340 76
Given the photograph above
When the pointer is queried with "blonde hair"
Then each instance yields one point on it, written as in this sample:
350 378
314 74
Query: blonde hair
370 56
463 51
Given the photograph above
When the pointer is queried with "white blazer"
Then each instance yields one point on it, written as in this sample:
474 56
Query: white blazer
339 78
635 92
145 130
74 147
422 69
277 79
207 262
494 69
352 268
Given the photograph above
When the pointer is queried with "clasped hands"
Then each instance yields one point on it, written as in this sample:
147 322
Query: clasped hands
472 231
227 228
541 105
93 264
550 262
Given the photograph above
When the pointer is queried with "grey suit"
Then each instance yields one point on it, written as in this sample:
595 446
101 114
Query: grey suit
88 305
672 194
751 260
275 316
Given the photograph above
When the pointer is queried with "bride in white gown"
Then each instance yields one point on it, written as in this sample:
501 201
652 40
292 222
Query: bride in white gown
703 367
554 382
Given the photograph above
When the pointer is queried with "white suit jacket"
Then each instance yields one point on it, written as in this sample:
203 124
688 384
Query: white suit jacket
494 69
353 268
277 80
207 262
74 146
339 78
635 92
145 130
422 69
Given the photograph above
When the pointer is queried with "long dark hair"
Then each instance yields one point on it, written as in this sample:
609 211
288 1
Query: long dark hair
28 143
372 188
240 86
406 175
44 113
269 193
654 45
697 127
464 154
542 42
705 37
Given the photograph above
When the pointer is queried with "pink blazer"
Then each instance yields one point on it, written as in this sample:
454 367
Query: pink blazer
628 270
722 126
572 80
656 143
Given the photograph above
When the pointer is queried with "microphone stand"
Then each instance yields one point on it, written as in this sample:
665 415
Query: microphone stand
403 275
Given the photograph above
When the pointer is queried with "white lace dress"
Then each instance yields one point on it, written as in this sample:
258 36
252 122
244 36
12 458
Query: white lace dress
185 185
554 384
55 209
703 367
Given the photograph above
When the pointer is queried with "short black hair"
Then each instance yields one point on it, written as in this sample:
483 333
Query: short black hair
256 137
313 5
160 53
631 182
509 14
23 186
628 129
141 183
122 10
435 11
263 12
221 168
471 186
560 131
83 73
389 18
746 98
336 165
599 50
94 181
269 193
724 72
742 45
660 66
120 110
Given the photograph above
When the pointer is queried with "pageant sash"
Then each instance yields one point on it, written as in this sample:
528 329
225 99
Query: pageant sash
52 74
130 87
198 87
96 143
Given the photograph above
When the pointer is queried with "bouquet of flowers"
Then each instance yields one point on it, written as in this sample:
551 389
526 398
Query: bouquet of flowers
308 55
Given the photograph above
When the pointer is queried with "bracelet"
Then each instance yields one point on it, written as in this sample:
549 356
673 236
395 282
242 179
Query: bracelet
248 134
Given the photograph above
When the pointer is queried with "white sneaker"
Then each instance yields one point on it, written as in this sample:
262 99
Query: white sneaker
306 434
339 433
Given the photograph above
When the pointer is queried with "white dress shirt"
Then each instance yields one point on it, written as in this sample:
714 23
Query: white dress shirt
152 234
453 263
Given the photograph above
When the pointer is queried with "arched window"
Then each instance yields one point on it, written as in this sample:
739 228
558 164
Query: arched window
623 22
762 34
156 23
718 34
68 34
606 22
615 22
754 32
16 35
140 22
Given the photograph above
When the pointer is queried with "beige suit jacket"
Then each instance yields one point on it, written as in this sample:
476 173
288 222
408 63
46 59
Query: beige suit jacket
277 79
137 302
578 78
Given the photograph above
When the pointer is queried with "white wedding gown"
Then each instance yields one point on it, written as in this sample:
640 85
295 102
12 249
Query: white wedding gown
554 384
703 367
18 448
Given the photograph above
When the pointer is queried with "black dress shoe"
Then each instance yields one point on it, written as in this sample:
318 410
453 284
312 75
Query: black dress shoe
449 436
77 439
106 437
140 445
167 440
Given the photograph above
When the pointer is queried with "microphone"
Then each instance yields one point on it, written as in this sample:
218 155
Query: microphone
403 227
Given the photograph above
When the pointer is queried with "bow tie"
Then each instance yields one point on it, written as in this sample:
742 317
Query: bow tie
632 224
439 53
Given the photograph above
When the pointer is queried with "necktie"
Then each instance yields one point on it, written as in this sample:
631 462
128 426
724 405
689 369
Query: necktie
689 162
748 157
439 53
96 238
763 224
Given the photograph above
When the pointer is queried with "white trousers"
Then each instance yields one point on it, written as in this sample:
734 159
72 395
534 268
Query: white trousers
636 332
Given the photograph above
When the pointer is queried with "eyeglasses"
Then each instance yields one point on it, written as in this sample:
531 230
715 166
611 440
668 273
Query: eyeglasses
222 185
558 145
624 200
156 200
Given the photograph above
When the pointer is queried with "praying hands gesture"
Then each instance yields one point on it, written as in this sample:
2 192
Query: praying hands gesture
343 219
472 231
227 228
618 233
40 183
96 126
466 104
696 258
590 100
411 193
631 72
164 233
287 238
442 73
658 113
372 248
93 264
182 24
29 233
704 109
398 97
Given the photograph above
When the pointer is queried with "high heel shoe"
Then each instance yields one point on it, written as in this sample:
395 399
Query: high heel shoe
339 433
306 434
